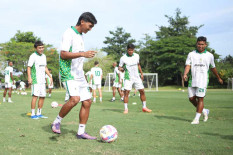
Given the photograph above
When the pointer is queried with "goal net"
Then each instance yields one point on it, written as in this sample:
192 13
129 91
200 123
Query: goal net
230 83
150 81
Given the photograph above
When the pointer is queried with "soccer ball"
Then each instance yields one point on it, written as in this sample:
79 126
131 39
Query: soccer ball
108 133
54 104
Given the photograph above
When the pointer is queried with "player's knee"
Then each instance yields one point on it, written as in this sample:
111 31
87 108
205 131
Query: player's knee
74 100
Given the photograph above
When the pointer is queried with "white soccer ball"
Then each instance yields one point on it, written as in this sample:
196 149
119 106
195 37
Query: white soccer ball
54 104
108 133
134 103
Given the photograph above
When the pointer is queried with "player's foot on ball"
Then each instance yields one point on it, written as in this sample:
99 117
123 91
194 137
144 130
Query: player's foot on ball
206 113
195 121
146 110
34 117
85 136
126 111
56 128
41 116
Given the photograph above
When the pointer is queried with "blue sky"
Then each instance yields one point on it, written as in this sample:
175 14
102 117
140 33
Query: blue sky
48 19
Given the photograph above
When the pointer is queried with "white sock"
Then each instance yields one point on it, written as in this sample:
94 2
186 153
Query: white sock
144 104
38 112
81 129
198 115
126 106
33 112
94 99
122 98
100 99
4 99
113 98
57 120
49 95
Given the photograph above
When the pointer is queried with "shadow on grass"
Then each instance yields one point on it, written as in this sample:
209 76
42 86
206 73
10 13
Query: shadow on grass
228 137
172 117
114 110
25 115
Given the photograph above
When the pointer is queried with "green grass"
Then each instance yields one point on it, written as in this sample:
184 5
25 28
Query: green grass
167 130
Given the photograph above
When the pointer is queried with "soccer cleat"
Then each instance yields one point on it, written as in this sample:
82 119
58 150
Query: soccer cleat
56 128
34 117
206 115
9 101
122 99
126 111
3 101
41 116
195 121
146 110
85 136
112 100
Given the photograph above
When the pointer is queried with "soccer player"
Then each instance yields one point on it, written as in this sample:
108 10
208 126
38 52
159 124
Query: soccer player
199 62
89 81
37 67
117 83
9 80
49 83
96 78
130 63
22 88
72 56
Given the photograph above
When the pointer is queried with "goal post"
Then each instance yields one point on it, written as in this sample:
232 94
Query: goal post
150 81
230 83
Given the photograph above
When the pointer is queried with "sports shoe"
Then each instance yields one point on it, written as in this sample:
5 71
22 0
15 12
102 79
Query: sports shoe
112 100
126 111
85 136
122 99
56 128
146 110
3 100
34 117
9 101
206 115
195 121
41 116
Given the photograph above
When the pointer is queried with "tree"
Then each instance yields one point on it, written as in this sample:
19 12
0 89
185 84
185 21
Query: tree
117 43
28 37
172 47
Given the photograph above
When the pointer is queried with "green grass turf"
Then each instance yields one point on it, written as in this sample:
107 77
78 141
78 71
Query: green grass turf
167 130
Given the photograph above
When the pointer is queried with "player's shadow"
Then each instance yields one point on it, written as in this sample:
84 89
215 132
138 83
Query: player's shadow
114 110
24 115
172 117
228 137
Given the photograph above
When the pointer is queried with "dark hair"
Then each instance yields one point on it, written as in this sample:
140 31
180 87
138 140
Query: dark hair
87 17
130 46
96 63
50 69
38 43
201 38
9 62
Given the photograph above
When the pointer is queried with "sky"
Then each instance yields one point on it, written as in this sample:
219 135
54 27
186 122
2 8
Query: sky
48 19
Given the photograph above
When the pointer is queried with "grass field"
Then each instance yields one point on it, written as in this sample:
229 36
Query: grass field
167 130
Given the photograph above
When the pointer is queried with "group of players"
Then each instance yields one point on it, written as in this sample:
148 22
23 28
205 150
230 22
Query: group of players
71 61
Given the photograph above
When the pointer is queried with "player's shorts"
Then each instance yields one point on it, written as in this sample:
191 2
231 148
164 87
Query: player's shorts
116 84
38 90
50 86
8 85
78 88
137 84
94 86
195 91
123 85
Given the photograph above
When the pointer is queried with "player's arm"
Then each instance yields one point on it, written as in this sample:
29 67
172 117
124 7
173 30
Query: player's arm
119 77
214 70
47 72
140 70
29 75
186 71
12 77
70 55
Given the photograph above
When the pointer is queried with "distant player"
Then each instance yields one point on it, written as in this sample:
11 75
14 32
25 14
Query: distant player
22 88
49 83
9 80
72 57
37 67
199 61
96 77
89 81
130 63
116 83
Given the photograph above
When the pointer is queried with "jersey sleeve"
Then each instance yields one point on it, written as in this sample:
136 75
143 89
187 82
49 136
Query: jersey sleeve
212 64
101 71
11 70
121 62
66 41
188 60
31 61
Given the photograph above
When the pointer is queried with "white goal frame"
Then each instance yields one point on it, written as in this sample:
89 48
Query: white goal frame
230 83
108 85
